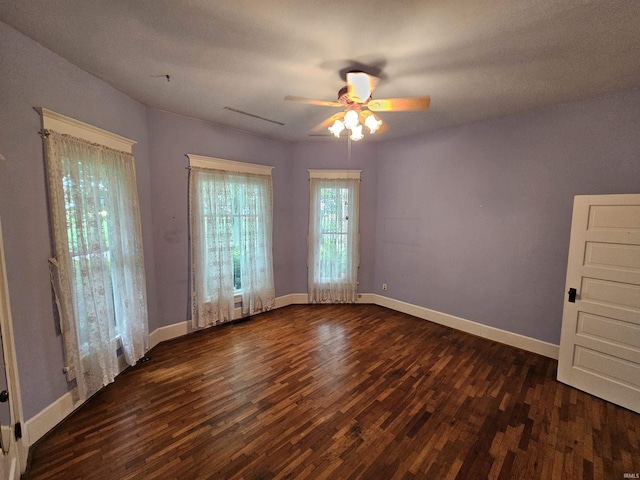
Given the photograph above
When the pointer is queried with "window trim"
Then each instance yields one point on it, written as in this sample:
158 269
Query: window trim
320 287
228 165
70 126
55 121
231 166
334 174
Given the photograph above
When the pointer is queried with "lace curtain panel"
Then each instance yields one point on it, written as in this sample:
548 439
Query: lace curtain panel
98 270
333 240
231 244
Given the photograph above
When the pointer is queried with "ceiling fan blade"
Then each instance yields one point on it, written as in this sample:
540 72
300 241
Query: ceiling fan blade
399 104
382 128
311 101
360 85
328 122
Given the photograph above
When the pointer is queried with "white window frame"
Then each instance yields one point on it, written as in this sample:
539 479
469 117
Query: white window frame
334 174
326 174
70 126
233 166
228 165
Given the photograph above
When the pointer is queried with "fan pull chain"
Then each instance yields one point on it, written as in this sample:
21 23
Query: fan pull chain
348 168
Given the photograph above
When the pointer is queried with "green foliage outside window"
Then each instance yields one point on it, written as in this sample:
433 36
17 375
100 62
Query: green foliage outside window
237 284
334 228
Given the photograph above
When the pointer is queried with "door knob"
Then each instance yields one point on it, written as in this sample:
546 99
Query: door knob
4 396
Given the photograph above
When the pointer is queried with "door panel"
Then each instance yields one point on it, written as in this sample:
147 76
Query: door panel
613 217
600 341
608 330
608 366
613 293
613 257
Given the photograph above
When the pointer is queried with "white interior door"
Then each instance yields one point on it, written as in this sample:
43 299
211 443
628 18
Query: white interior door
13 455
600 341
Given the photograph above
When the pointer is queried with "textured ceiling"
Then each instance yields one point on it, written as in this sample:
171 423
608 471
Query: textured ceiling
476 59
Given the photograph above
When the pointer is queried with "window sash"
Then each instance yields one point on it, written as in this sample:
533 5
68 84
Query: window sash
98 270
234 256
333 238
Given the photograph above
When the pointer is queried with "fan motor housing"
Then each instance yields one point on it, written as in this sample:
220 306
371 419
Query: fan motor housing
343 95
344 99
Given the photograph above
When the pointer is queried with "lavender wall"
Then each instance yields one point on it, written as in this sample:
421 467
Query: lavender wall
31 76
475 221
332 154
472 221
171 138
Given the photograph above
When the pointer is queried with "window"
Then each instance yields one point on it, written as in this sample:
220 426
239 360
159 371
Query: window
97 272
333 235
86 222
230 211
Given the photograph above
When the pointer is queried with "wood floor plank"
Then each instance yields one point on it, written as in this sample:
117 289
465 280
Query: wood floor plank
339 392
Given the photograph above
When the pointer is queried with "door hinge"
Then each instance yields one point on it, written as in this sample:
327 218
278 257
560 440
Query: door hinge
17 431
572 295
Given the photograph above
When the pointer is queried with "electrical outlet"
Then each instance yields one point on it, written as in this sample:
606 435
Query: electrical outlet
384 286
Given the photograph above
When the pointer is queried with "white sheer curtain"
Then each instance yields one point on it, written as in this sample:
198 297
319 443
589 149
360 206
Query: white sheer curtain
98 269
211 215
256 258
333 240
231 217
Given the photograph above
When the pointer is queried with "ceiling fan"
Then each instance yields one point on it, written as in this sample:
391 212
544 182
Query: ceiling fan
358 107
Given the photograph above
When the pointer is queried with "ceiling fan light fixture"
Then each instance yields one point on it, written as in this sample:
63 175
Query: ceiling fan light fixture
337 128
373 123
356 133
351 119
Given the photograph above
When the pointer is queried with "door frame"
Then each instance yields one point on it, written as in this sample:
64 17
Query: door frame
15 460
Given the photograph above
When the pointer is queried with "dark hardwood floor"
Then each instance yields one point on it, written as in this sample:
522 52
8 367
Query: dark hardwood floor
344 391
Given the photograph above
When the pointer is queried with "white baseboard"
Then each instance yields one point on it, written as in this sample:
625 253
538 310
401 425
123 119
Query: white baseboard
491 333
367 298
41 423
168 332
179 329
50 416
292 299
